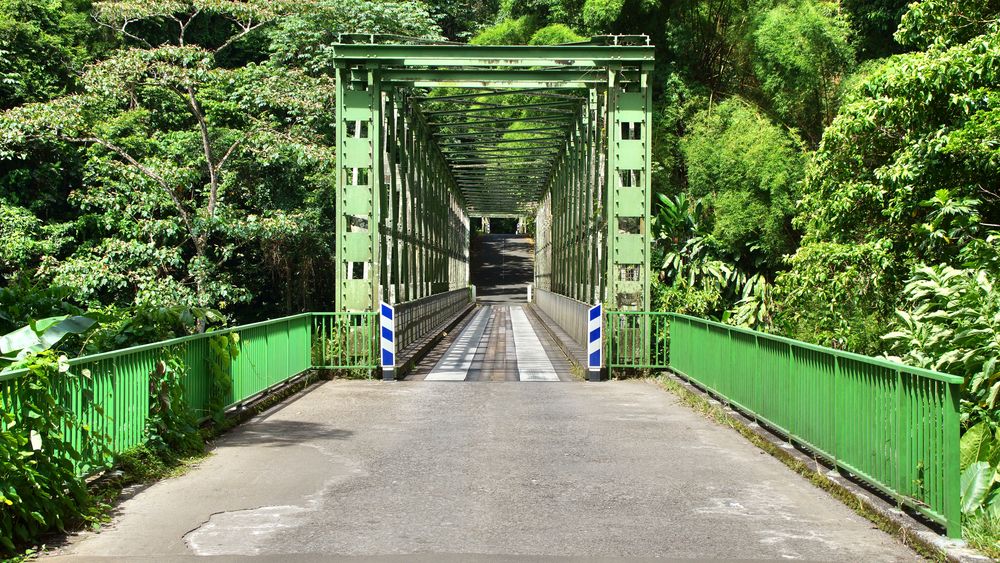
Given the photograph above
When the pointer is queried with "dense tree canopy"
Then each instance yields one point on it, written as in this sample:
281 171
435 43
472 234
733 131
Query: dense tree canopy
749 171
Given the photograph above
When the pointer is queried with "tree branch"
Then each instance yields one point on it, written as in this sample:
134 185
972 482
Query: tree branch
246 28
149 172
213 179
226 156
183 25
123 30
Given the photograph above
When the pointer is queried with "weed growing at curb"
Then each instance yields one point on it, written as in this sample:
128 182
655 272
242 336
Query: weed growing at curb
981 530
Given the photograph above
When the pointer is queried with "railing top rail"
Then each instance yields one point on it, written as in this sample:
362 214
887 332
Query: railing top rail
882 362
174 341
439 295
560 295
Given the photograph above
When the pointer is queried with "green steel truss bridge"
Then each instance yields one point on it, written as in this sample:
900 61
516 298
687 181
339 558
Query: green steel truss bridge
431 135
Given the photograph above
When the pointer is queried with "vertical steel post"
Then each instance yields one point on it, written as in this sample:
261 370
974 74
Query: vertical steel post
359 184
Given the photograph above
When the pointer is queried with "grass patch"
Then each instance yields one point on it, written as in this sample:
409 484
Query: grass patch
982 531
144 465
700 404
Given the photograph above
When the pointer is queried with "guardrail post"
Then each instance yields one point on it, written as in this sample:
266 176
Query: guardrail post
387 316
595 340
529 293
952 456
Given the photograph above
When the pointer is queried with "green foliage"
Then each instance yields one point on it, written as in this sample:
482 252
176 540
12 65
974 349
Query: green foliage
884 159
598 14
300 41
172 426
874 22
143 464
38 336
132 326
25 239
459 19
545 11
980 464
801 53
508 32
943 23
976 482
977 445
43 44
554 34
949 324
222 349
40 489
172 141
837 295
981 530
24 300
696 277
709 41
748 171
681 102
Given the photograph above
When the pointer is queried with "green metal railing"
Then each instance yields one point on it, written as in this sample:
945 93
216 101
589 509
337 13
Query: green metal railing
637 340
415 319
345 341
112 399
893 426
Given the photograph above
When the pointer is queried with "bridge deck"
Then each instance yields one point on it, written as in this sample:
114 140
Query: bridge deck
461 472
496 343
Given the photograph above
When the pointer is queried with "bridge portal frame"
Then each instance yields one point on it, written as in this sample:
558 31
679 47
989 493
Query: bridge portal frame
403 209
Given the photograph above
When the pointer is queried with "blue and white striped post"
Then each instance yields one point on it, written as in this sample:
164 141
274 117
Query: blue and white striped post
595 340
387 317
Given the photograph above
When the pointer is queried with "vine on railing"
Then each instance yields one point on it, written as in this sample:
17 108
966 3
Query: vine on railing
223 349
172 425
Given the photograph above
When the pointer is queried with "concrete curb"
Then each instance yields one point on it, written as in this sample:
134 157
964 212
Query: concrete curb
905 527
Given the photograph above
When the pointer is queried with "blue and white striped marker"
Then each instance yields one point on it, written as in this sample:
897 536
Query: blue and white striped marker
387 319
595 350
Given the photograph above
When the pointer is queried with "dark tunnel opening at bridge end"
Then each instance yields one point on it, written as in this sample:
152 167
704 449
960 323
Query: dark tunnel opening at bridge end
502 266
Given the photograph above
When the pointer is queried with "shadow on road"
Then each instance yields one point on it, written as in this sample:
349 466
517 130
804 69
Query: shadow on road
281 433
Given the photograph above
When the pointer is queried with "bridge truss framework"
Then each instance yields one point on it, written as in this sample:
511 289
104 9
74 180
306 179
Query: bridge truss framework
430 135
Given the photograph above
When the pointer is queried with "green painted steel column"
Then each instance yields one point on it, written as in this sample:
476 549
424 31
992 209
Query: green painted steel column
611 274
358 184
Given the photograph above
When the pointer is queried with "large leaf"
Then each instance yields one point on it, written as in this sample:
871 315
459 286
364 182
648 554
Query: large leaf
995 455
976 445
976 482
71 325
41 325
21 339
43 334
992 503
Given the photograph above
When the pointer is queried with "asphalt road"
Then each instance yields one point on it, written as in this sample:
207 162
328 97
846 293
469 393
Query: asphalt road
502 266
504 471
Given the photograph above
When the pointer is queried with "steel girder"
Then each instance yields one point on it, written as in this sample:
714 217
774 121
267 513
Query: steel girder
556 132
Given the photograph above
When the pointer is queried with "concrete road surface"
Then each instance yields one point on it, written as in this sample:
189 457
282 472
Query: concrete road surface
501 267
505 471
